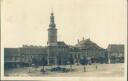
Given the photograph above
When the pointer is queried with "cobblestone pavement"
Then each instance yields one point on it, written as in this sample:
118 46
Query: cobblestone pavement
103 70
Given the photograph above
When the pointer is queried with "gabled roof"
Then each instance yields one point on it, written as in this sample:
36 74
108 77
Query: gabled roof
115 48
86 44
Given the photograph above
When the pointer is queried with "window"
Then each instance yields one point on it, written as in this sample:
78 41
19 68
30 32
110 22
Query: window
13 58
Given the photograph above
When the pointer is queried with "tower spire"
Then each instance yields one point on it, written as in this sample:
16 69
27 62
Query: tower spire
52 23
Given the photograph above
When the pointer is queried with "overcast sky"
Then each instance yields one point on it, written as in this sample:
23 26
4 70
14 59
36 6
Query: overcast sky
27 21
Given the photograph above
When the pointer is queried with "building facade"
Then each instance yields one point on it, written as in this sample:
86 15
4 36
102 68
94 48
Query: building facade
33 54
12 57
59 53
116 53
91 51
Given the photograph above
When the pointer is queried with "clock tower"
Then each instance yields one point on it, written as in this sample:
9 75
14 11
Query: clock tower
52 41
52 32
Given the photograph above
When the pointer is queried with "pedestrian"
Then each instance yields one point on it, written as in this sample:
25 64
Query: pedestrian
96 67
84 68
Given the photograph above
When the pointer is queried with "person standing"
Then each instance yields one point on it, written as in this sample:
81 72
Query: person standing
96 67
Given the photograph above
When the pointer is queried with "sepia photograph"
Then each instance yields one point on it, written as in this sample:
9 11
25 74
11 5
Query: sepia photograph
60 80
64 38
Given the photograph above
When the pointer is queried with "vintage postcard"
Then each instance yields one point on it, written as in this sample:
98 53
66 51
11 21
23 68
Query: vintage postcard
64 40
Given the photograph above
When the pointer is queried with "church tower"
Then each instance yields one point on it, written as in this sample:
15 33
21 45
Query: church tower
52 32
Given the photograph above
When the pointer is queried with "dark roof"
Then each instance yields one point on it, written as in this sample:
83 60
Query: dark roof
11 52
33 50
33 46
61 43
115 48
86 44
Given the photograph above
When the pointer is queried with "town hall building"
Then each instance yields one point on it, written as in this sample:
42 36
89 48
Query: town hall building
56 52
